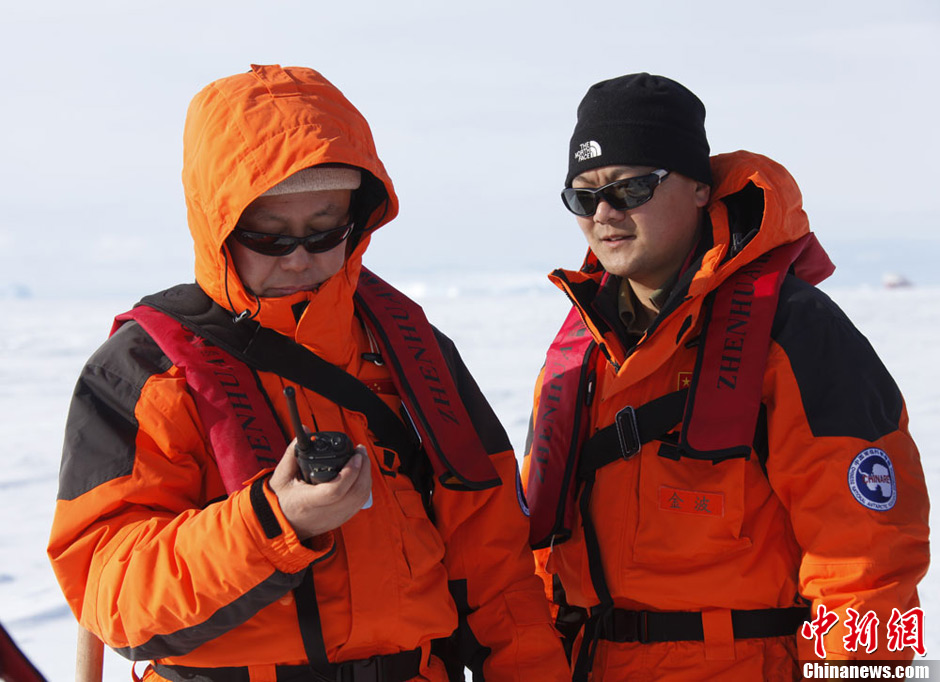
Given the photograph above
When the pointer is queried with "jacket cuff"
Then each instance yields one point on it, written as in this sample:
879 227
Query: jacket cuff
273 533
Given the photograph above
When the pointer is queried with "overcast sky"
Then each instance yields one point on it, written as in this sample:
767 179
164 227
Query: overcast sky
471 104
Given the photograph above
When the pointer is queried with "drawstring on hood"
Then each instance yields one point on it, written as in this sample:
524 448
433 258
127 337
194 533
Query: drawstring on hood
247 133
245 314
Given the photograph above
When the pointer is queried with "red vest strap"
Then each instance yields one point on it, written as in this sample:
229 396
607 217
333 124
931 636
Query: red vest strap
724 400
242 430
425 385
558 431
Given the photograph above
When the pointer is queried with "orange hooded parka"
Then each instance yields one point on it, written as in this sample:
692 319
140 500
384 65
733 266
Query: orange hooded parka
160 562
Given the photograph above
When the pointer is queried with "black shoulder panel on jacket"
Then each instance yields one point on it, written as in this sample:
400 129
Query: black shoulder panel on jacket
485 422
845 388
101 426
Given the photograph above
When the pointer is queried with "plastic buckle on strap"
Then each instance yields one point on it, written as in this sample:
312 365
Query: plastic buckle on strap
628 432
364 670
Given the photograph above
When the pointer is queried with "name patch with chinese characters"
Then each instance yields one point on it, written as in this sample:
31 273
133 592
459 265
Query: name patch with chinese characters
695 502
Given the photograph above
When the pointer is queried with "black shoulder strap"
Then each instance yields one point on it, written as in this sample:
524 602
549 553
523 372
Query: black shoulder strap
268 351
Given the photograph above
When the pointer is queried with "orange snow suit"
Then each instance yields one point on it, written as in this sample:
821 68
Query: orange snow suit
828 507
158 560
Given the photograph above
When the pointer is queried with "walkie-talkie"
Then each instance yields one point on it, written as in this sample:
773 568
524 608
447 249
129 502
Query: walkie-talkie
321 455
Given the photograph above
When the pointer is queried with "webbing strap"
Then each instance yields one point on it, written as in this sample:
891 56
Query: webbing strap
398 667
585 660
622 439
273 352
649 422
311 631
619 625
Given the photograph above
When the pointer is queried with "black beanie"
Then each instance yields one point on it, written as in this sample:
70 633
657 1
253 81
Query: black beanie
640 120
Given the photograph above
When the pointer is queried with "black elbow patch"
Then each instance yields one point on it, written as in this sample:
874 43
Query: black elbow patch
845 388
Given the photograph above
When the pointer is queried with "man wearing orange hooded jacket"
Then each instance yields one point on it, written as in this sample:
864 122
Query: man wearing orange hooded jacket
172 549
719 472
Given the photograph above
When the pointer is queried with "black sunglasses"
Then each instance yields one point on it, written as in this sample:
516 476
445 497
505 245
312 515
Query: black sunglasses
622 195
281 244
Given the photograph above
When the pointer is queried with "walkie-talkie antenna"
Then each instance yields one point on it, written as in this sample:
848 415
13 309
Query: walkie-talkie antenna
304 444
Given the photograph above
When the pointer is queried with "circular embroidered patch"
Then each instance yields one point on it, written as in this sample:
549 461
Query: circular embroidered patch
871 479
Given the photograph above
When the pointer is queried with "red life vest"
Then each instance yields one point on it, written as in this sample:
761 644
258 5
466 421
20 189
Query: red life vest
717 423
218 355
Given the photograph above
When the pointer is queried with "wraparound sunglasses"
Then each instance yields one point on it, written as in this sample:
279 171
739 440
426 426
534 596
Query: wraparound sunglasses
282 244
622 194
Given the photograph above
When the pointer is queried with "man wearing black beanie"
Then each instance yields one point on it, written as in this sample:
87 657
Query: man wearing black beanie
719 471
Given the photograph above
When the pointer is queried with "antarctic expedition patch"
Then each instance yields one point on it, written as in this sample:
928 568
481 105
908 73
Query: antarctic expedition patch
871 479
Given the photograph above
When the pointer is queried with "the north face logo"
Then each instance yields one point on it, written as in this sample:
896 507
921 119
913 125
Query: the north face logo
589 150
